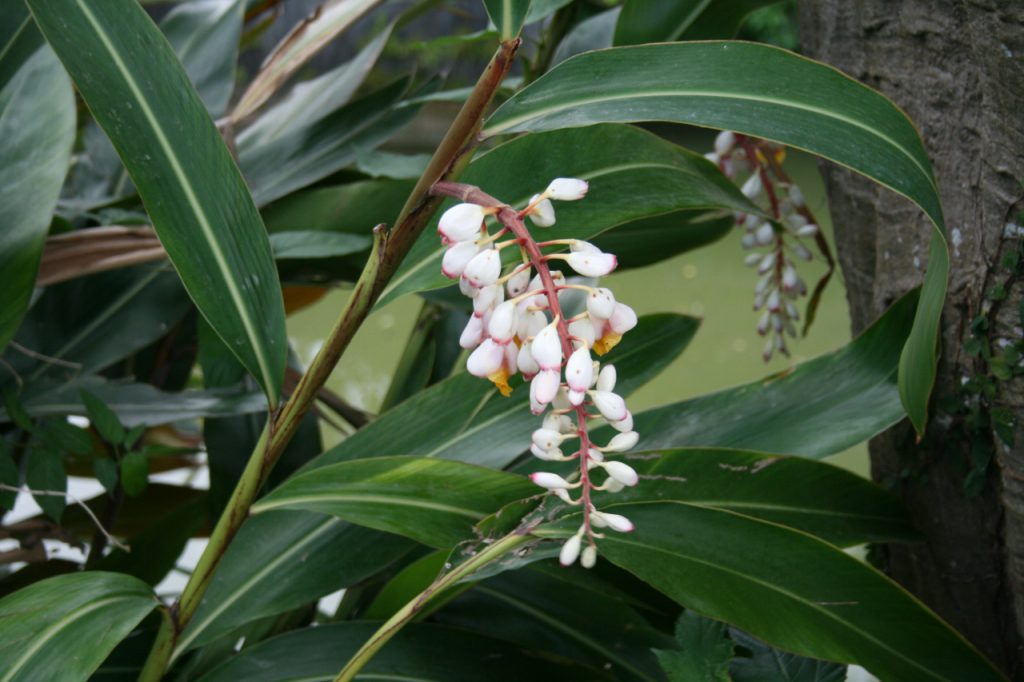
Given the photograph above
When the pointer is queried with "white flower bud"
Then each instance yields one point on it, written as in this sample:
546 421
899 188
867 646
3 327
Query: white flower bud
487 298
502 325
589 556
713 157
583 330
802 251
484 268
456 257
570 550
543 214
579 371
553 455
612 486
546 439
624 425
765 234
567 189
724 142
601 303
606 379
525 362
561 401
622 442
551 481
792 312
559 423
752 187
796 196
796 221
750 222
808 230
752 259
473 334
621 472
789 278
749 241
461 222
611 405
623 319
544 386
467 288
547 348
518 282
767 263
486 359
762 324
774 304
616 522
590 264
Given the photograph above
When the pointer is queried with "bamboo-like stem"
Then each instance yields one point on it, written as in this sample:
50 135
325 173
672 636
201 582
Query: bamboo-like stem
389 249
408 612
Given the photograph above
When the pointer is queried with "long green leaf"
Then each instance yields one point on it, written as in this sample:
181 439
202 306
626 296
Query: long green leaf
62 628
37 128
195 195
647 22
633 174
433 501
19 39
508 16
769 93
419 653
789 589
827 404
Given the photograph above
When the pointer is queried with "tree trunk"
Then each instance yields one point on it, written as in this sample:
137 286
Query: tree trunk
957 68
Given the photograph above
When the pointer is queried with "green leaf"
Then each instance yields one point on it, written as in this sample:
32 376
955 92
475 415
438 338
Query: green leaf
103 419
652 240
765 664
319 555
417 652
646 22
433 501
8 476
406 585
769 93
62 628
107 473
37 128
633 174
311 244
19 39
45 473
134 473
705 651
817 498
465 418
382 164
186 177
205 37
593 33
507 16
789 589
827 404
307 38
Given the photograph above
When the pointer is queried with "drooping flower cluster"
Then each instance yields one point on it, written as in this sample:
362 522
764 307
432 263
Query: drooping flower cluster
777 244
518 327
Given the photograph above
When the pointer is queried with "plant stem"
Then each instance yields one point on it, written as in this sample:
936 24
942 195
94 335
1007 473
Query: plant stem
404 615
389 248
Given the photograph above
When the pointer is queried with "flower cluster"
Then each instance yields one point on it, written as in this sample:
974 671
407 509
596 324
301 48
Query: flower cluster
775 244
518 327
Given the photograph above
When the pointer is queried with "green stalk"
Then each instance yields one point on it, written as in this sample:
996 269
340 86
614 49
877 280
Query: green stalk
408 612
389 248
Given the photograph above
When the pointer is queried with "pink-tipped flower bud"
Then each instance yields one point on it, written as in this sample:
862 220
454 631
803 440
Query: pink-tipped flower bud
553 455
616 522
467 288
502 325
590 264
457 257
544 386
606 378
484 268
579 371
487 298
461 222
789 278
551 481
518 282
621 472
802 252
624 425
486 360
623 319
473 334
543 213
547 348
570 550
567 189
576 397
622 442
589 557
611 405
601 303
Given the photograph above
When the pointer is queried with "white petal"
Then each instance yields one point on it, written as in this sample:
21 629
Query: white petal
567 189
615 521
576 397
543 214
583 330
606 379
601 303
589 556
546 383
622 441
724 142
502 325
623 319
592 264
456 257
612 486
624 425
808 230
765 234
525 362
549 481
579 370
796 196
570 550
488 298
473 334
467 288
752 187
554 455
461 222
547 348
486 359
621 472
611 405
484 268
518 282
546 439
713 157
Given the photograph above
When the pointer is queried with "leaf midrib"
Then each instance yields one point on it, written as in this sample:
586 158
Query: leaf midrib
290 501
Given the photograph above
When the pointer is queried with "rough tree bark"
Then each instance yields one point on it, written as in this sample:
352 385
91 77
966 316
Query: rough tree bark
957 68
